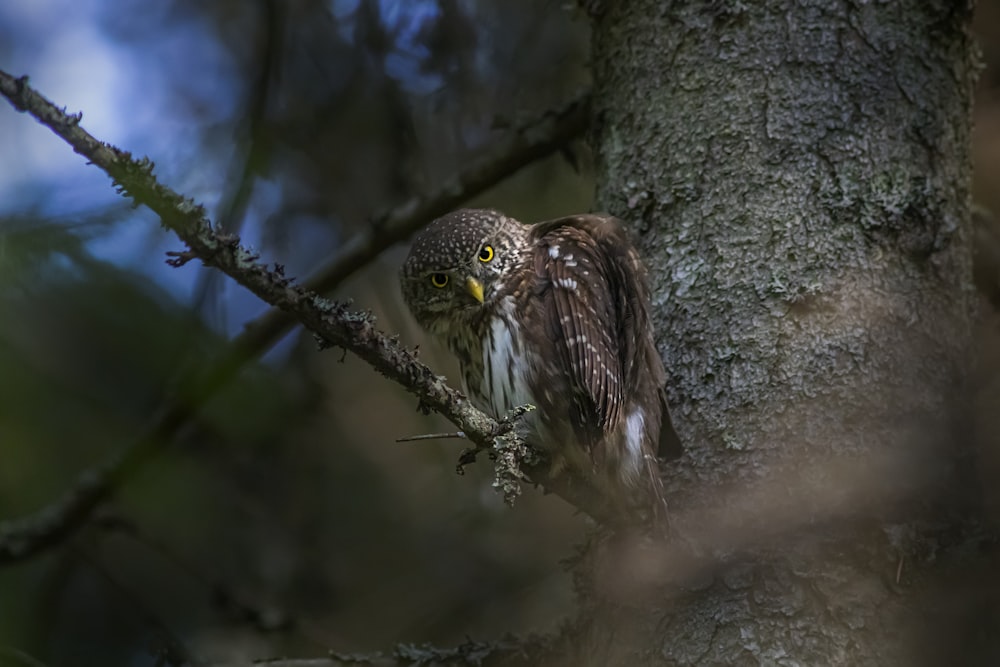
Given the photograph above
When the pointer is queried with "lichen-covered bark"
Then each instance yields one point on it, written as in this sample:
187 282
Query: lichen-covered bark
798 174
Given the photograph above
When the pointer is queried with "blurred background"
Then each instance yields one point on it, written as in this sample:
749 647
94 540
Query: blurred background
283 519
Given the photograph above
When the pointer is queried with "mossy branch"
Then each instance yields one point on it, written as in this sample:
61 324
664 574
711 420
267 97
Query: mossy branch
332 322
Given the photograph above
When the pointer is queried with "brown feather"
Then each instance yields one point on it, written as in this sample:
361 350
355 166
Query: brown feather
566 326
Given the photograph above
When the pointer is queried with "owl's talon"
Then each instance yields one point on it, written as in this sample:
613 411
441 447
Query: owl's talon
465 458
507 422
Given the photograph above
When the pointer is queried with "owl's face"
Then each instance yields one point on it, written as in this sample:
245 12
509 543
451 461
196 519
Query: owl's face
457 265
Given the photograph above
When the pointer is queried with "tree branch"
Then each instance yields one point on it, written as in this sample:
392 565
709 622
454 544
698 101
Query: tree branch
470 653
528 142
12 656
331 322
252 154
168 646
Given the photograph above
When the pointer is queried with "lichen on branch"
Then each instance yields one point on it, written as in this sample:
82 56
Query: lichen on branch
330 321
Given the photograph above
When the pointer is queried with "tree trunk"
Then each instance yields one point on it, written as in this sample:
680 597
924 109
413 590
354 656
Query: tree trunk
798 175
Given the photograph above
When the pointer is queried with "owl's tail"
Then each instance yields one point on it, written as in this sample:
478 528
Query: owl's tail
659 516
669 447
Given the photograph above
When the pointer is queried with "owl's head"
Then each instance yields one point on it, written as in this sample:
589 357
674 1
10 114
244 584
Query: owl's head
457 266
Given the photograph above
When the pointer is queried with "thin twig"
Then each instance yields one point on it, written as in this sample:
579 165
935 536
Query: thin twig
234 605
13 656
332 322
169 648
433 436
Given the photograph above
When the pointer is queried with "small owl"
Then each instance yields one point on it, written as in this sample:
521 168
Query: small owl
554 314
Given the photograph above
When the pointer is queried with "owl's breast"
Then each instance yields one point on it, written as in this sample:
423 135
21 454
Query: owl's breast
497 379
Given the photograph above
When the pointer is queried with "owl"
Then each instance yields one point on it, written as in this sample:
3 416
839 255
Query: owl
555 315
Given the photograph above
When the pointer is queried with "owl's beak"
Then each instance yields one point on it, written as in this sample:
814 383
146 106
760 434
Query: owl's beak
475 288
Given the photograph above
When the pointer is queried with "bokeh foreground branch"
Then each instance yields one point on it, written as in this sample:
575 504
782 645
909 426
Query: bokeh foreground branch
332 322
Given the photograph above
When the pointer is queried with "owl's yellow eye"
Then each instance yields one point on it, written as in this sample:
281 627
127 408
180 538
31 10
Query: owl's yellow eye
486 254
439 279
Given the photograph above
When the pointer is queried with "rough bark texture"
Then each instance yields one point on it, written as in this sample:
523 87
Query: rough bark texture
798 174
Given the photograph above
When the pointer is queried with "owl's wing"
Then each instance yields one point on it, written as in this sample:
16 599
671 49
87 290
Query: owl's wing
591 297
